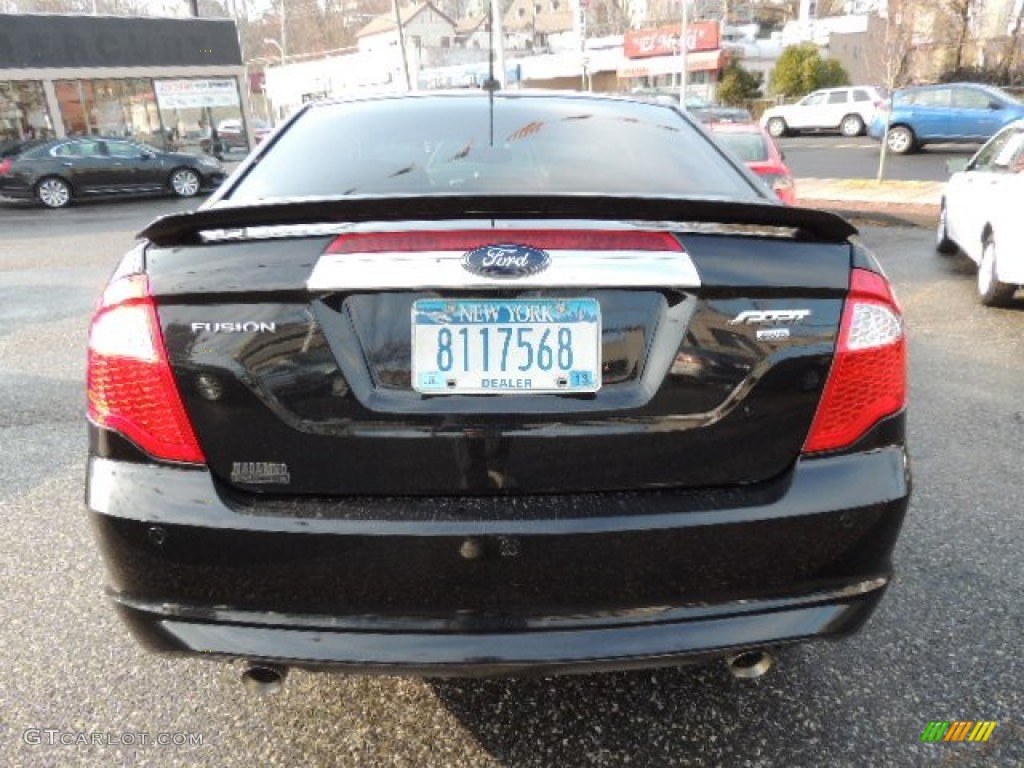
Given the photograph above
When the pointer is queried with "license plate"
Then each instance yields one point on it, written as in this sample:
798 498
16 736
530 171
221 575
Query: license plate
504 346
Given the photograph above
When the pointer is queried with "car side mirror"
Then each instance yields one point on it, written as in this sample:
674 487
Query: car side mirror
957 164
147 155
994 105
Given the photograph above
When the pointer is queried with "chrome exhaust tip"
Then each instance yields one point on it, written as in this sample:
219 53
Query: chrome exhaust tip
264 679
749 665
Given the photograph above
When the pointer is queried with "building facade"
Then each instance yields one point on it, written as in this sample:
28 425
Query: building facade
164 81
654 60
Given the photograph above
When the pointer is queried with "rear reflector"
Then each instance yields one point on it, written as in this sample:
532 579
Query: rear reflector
552 240
131 387
5 166
868 380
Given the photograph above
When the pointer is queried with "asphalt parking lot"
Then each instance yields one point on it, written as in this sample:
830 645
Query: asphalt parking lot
828 156
945 644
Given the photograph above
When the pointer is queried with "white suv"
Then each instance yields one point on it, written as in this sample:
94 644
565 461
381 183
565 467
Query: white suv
847 110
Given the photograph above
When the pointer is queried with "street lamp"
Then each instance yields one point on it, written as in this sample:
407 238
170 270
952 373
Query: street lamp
280 48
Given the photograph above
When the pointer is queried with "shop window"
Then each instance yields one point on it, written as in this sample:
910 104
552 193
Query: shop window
202 116
23 112
117 108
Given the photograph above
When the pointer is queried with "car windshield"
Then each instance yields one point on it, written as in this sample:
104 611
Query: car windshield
748 147
1002 95
456 144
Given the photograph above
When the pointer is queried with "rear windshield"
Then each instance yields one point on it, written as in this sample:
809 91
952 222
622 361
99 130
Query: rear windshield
15 147
748 147
453 145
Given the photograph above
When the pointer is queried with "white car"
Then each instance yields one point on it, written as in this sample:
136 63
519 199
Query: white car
848 110
981 214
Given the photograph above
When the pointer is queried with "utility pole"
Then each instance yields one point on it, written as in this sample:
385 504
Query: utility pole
284 34
580 25
684 74
401 44
498 33
193 7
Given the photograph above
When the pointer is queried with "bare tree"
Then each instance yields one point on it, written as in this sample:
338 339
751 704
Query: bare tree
896 50
959 14
607 17
1012 48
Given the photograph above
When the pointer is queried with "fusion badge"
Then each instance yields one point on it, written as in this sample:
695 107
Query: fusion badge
247 327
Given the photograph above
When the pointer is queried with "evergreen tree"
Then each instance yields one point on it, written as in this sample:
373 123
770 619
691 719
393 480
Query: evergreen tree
800 70
738 85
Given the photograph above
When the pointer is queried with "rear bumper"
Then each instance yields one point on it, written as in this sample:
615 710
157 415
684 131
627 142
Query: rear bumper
15 188
679 636
498 586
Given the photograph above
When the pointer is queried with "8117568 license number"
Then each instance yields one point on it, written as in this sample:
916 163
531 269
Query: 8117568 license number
471 346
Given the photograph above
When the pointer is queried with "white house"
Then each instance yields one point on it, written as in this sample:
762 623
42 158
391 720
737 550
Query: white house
423 25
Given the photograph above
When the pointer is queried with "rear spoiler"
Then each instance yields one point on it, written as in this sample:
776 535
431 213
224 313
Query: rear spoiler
187 228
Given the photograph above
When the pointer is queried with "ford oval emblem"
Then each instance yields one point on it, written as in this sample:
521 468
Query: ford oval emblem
506 261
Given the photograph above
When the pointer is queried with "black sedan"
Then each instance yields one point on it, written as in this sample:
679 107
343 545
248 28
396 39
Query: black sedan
59 171
459 399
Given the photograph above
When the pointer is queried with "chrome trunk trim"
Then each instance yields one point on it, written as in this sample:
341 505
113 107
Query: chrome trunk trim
443 269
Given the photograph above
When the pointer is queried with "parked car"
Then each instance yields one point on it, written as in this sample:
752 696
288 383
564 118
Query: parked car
402 397
751 144
981 214
702 109
59 171
942 114
848 110
231 136
709 112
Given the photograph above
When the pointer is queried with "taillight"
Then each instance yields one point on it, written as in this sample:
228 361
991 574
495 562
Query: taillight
781 184
5 166
868 380
467 240
131 387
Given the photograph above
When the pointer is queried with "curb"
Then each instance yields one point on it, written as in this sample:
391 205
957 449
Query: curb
924 216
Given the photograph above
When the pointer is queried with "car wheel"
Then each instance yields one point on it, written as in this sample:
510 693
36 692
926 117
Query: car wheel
53 192
901 140
942 242
185 182
852 125
991 292
777 127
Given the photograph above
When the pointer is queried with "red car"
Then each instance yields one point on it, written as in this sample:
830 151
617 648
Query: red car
751 144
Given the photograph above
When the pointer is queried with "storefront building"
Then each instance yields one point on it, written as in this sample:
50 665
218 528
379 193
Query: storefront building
171 83
654 60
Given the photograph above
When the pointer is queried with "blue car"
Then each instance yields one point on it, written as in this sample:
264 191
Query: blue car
943 114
